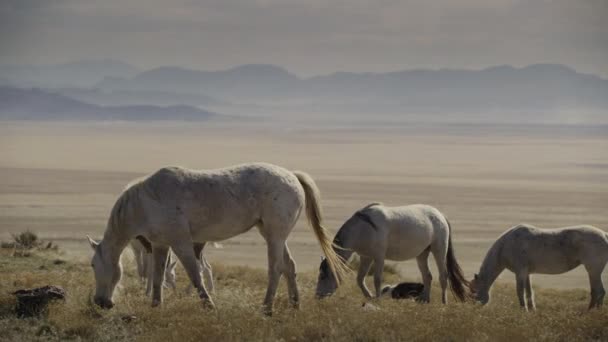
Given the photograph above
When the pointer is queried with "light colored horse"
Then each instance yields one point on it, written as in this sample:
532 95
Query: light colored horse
145 261
525 249
378 233
176 207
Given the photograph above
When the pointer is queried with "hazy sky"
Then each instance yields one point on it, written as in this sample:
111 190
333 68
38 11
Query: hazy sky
309 36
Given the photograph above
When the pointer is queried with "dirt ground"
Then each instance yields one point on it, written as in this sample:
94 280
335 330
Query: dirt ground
61 179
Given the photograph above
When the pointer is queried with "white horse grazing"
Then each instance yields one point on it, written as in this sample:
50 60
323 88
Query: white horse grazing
525 249
145 261
176 207
378 233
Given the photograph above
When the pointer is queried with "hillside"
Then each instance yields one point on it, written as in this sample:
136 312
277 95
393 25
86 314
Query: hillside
35 104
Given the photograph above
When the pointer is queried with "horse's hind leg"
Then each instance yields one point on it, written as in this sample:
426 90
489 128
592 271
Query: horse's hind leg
364 265
530 294
427 278
597 287
276 250
156 277
289 269
440 256
520 282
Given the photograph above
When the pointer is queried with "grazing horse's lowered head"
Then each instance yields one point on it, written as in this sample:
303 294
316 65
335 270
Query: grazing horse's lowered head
107 274
480 290
326 282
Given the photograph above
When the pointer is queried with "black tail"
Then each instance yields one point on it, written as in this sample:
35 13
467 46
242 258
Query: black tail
458 283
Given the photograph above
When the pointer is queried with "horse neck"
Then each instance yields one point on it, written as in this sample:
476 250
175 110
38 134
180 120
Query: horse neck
113 245
492 265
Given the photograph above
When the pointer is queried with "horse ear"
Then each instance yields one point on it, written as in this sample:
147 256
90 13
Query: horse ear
172 265
476 276
92 242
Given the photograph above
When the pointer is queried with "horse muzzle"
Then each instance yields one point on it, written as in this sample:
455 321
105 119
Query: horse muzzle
103 303
323 295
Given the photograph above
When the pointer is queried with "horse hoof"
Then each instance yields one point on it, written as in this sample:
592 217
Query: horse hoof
208 304
156 303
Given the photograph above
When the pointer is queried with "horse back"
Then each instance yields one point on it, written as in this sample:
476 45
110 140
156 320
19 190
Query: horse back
552 251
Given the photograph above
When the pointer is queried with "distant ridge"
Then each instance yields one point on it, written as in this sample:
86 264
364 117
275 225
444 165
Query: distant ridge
35 104
536 87
83 73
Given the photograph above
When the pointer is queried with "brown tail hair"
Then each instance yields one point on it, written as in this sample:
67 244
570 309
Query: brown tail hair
458 283
313 212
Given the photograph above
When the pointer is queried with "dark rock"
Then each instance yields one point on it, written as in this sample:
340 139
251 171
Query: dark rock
404 290
34 302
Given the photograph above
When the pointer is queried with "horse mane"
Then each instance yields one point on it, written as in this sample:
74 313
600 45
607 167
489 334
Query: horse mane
370 205
492 255
125 202
363 214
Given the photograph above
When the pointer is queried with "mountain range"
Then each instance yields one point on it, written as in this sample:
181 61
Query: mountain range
36 104
537 87
84 73
110 87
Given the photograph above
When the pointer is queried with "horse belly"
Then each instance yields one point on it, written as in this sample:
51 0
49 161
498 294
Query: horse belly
217 225
407 240
219 231
553 263
399 250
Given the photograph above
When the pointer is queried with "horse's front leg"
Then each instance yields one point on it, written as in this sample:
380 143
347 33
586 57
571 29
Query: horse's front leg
149 268
159 258
185 253
364 265
207 274
198 252
378 270
520 281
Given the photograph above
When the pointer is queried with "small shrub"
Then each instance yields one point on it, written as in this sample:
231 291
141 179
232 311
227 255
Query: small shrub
27 240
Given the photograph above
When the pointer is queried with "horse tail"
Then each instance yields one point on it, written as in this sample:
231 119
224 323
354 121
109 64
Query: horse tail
313 212
458 283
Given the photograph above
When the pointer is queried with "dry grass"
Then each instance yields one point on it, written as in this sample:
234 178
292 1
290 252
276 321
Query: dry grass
561 315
